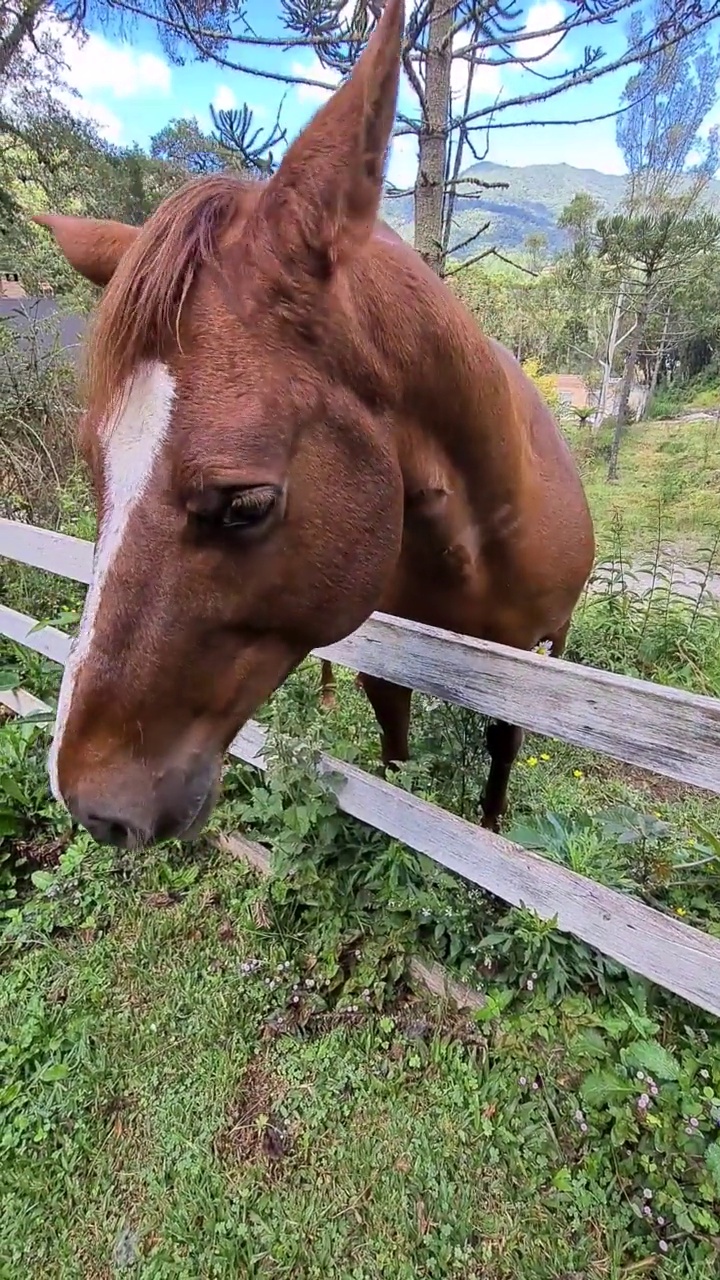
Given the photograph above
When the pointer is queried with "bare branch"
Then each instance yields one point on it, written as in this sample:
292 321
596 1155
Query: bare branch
469 262
469 239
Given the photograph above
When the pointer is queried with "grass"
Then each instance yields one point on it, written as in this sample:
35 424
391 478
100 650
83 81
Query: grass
170 1120
668 486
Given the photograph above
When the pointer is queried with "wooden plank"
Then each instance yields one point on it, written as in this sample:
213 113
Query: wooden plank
46 640
674 955
45 549
244 850
22 703
650 726
440 984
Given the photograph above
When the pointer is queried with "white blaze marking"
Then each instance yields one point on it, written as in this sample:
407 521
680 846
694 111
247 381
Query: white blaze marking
132 442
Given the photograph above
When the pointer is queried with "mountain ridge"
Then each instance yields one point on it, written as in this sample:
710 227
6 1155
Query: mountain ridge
533 201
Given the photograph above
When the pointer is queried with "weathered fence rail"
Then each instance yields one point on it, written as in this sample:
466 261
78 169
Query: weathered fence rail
647 725
665 730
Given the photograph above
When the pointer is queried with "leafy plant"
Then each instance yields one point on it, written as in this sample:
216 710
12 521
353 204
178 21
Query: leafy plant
24 799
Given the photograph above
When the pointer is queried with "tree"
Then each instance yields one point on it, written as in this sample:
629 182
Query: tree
183 144
535 246
654 252
52 160
579 220
666 103
449 46
27 40
235 144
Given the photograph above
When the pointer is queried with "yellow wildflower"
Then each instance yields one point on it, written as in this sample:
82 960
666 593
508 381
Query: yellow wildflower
532 761
544 755
680 911
578 773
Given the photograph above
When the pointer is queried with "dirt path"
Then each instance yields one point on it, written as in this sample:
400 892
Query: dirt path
685 580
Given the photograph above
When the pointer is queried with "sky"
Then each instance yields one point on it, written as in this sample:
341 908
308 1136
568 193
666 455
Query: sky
129 87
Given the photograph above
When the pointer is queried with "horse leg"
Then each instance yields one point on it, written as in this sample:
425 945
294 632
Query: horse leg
327 686
391 704
503 742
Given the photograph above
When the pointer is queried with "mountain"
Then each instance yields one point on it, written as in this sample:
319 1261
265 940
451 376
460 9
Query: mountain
535 196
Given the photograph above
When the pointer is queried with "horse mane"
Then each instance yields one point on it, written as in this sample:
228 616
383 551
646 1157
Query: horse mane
142 304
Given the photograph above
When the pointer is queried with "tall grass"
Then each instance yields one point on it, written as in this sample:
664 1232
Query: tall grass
652 619
39 463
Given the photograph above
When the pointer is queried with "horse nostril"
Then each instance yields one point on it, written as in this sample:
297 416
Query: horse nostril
107 830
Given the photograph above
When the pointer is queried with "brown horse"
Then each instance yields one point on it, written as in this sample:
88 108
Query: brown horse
291 422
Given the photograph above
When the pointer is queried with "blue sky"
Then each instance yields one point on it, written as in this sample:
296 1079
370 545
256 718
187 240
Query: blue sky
131 89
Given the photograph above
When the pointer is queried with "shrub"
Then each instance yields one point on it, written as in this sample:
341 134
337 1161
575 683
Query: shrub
545 383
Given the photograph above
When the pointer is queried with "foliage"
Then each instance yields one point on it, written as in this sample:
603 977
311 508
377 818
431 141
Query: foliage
667 102
236 144
579 218
38 414
24 802
544 382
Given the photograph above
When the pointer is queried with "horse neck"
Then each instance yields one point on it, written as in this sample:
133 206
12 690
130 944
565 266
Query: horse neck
456 393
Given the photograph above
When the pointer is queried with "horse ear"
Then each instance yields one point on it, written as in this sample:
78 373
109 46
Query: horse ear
92 246
325 196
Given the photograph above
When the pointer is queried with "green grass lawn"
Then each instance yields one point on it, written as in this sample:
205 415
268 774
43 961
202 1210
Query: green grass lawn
667 491
203 1074
178 1109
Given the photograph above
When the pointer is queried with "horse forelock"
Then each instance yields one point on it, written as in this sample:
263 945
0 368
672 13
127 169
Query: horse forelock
139 313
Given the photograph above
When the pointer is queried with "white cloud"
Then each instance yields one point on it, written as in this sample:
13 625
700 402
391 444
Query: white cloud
314 70
224 99
541 17
403 162
94 65
93 69
486 80
108 125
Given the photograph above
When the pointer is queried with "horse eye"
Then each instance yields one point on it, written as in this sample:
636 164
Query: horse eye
216 510
248 507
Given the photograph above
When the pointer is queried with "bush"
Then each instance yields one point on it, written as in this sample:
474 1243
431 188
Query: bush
545 383
38 414
701 394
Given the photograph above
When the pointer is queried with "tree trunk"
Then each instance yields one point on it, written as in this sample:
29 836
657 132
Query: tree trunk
433 136
627 382
658 361
609 358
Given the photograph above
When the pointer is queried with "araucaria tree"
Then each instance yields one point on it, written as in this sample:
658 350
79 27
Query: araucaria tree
456 56
664 227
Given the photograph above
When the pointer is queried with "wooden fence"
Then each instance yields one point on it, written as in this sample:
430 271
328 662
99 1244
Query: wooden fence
670 732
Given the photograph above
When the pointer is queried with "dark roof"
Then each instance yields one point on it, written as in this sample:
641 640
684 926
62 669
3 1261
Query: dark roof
41 327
